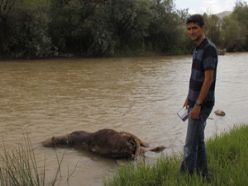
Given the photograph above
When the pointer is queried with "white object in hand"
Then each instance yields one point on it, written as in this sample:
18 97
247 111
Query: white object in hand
183 114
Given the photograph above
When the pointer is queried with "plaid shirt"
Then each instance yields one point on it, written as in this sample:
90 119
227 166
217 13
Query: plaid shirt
204 58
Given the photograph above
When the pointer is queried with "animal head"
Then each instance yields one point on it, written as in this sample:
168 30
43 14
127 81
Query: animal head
56 141
133 146
49 142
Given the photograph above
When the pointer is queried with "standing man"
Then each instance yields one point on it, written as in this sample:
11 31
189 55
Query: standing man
200 99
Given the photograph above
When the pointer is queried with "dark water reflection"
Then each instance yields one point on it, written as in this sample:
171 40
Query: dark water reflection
140 95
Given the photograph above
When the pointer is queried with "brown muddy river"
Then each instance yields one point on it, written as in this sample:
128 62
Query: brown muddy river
140 95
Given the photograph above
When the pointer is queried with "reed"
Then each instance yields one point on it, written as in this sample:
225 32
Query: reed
227 156
18 167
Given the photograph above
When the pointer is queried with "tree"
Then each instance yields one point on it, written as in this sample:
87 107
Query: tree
24 31
235 28
166 30
240 14
6 7
213 29
130 20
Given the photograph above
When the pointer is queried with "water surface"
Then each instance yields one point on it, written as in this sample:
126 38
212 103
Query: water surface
141 95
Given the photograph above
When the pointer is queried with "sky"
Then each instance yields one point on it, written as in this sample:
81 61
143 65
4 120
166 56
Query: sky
207 6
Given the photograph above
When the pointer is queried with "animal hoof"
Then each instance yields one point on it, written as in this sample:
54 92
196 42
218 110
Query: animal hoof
219 113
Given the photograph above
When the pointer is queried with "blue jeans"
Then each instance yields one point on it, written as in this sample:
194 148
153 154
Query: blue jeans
195 158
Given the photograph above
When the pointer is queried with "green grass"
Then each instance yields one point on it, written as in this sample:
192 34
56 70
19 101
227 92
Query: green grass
228 164
18 167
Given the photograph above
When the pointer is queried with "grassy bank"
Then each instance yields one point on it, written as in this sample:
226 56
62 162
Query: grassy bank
227 155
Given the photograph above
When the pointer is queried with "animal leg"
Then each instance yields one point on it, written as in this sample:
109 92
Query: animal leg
138 150
154 149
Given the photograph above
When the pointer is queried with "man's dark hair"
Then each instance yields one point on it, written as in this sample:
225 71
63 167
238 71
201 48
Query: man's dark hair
197 19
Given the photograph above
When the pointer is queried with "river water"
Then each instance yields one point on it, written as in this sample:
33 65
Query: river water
43 98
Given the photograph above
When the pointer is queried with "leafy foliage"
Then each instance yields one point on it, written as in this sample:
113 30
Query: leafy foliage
24 31
41 28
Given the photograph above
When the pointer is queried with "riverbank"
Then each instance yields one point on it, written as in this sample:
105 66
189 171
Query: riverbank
147 54
227 156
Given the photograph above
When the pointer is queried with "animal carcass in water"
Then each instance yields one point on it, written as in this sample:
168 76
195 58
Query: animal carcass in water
105 142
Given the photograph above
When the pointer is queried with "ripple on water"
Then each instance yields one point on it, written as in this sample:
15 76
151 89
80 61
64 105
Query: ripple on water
139 95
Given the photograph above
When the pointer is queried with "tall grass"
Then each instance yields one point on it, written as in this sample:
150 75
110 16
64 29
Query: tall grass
228 164
18 167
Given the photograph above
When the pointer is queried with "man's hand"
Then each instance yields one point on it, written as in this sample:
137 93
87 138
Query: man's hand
195 112
209 76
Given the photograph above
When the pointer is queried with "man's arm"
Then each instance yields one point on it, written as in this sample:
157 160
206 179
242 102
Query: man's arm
209 76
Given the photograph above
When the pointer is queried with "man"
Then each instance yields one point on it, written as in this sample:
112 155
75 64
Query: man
200 99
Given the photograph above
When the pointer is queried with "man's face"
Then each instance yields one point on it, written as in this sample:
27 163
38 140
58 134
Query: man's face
195 32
